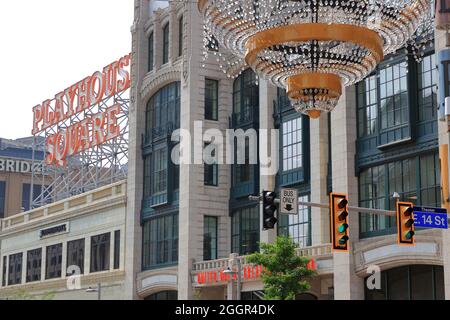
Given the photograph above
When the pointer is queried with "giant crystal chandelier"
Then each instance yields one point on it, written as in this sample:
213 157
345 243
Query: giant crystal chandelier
313 48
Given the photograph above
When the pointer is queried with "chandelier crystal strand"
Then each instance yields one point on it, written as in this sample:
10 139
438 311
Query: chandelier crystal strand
313 48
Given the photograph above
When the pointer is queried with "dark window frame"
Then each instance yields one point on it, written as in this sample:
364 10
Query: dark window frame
210 252
116 249
53 261
212 100
166 43
180 36
34 265
151 51
160 241
76 254
15 269
100 253
2 199
241 240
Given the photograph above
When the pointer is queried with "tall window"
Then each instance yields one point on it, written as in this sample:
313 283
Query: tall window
34 262
298 226
15 269
163 112
292 144
151 52
245 97
245 226
211 99
166 44
394 95
367 106
211 175
428 80
53 264
180 36
386 99
160 241
4 271
117 249
160 171
2 198
210 225
415 179
162 118
243 172
100 247
75 254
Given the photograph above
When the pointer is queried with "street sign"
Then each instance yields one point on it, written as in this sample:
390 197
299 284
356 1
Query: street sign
425 217
289 201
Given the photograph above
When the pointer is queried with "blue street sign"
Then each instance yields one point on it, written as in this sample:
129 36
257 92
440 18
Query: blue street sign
425 217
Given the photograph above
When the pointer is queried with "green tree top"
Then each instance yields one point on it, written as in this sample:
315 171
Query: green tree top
284 273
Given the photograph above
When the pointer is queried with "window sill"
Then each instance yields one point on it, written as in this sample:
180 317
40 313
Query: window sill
395 143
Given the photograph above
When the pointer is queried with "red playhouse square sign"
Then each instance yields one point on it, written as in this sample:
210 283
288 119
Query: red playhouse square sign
90 131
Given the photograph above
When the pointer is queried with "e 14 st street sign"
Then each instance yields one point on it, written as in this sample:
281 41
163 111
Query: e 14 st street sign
289 201
425 217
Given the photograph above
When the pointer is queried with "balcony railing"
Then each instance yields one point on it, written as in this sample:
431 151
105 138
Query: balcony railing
105 194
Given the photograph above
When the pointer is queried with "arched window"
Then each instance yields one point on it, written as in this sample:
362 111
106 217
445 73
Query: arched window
163 295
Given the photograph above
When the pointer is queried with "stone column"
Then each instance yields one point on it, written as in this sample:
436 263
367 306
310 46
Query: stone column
267 96
320 221
347 285
133 230
444 139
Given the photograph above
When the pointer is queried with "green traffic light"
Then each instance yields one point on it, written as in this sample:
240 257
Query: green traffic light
343 227
409 235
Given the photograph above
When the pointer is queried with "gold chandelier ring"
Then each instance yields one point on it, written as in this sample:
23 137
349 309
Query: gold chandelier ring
329 81
303 32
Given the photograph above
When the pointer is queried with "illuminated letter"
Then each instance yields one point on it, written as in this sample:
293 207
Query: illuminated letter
96 97
83 98
112 129
110 73
37 118
59 108
125 83
48 114
98 137
50 148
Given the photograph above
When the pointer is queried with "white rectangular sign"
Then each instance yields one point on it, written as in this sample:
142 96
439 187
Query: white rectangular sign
289 201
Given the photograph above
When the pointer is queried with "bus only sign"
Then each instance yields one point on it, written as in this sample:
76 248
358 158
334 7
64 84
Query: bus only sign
425 217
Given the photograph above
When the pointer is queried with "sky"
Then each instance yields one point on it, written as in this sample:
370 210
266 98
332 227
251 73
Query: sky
48 45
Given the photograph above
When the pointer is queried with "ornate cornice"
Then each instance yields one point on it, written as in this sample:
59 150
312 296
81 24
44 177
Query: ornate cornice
156 80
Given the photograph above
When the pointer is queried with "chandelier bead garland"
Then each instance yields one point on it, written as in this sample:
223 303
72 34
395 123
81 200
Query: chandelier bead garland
312 48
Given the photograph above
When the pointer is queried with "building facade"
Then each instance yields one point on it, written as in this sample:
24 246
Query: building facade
382 138
173 228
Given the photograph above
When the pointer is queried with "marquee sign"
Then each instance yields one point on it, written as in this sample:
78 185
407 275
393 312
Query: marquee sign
88 131
249 273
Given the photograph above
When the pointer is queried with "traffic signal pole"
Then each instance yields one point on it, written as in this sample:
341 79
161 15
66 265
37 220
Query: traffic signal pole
327 206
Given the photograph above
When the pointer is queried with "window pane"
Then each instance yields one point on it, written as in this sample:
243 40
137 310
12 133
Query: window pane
166 44
15 269
100 248
211 99
210 238
75 255
53 262
398 288
421 283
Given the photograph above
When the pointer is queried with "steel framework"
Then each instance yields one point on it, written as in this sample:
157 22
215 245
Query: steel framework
93 168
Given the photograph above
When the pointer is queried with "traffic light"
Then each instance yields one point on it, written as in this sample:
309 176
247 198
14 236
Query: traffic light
405 223
339 221
269 209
